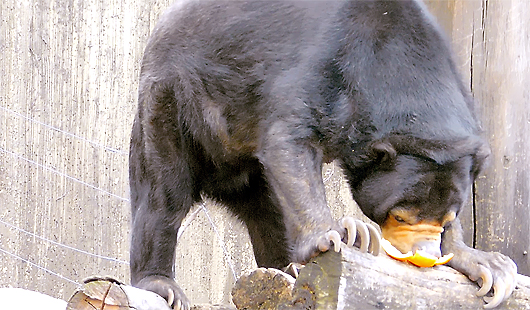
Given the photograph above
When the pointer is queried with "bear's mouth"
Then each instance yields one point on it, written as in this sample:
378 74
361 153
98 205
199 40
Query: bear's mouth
408 234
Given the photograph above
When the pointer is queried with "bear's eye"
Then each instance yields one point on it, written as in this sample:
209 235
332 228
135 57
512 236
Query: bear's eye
399 219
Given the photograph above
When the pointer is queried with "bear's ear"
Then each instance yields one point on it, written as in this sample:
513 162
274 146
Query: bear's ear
383 154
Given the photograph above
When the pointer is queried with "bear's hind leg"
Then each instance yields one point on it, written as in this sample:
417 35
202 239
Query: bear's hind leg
161 196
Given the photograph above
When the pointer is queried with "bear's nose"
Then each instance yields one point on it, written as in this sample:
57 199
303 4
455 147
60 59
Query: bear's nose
428 246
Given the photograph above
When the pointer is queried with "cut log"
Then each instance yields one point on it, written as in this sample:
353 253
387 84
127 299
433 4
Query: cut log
263 289
345 280
109 294
354 280
106 293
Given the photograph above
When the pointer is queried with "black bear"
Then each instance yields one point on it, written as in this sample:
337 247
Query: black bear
243 101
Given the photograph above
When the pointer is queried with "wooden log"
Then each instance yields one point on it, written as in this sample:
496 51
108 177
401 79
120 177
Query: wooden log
109 294
105 293
354 280
263 289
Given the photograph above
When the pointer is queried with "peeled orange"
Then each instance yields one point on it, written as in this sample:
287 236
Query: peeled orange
420 258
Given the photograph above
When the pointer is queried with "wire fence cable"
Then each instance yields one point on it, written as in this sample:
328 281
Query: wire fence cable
39 267
110 149
64 245
62 174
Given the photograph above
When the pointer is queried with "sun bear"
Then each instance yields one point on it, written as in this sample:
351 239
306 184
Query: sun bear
243 101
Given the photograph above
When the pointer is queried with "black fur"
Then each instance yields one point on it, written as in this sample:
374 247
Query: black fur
242 101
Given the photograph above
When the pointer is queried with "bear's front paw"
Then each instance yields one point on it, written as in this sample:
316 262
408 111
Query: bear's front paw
168 289
314 244
491 270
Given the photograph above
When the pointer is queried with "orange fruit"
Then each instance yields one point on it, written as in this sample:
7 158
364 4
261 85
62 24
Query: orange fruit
393 252
420 258
444 259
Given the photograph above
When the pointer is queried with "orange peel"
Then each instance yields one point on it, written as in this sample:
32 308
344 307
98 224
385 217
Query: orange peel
419 258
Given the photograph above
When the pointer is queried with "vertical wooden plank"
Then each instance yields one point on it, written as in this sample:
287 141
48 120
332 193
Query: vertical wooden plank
461 32
491 41
501 71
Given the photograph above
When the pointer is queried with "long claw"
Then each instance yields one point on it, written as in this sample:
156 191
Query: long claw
293 269
498 296
170 296
334 237
364 235
375 240
349 224
487 281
